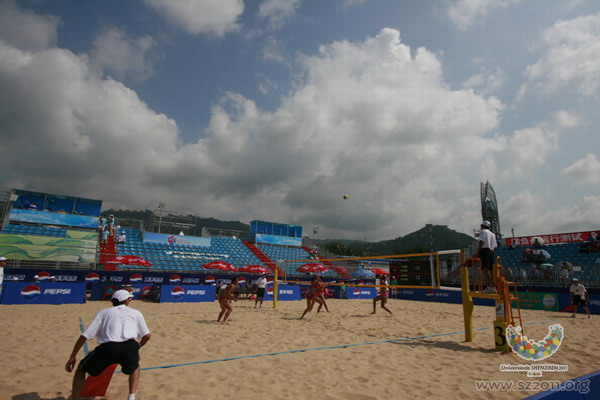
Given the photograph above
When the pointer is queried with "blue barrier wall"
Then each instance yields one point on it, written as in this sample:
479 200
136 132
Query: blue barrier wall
42 293
285 293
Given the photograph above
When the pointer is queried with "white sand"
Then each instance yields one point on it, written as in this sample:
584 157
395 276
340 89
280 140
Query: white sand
35 342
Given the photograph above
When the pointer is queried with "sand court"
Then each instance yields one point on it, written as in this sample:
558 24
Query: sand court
270 353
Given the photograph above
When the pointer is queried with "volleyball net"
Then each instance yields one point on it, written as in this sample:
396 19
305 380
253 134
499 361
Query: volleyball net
429 270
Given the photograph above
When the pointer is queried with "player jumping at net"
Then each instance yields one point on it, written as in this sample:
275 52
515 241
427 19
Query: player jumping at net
226 296
382 296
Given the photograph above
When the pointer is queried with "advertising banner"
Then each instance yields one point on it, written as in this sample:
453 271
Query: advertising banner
104 291
278 240
150 237
285 293
538 301
52 218
43 293
186 293
358 292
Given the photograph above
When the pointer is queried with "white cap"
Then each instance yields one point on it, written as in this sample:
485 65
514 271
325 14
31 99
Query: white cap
486 223
122 295
574 280
3 258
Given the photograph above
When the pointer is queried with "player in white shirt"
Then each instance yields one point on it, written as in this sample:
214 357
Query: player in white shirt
579 296
116 330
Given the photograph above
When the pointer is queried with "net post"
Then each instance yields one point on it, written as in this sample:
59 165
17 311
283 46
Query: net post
467 300
275 284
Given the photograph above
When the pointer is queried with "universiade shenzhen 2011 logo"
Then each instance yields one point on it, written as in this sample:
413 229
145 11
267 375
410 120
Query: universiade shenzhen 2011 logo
529 349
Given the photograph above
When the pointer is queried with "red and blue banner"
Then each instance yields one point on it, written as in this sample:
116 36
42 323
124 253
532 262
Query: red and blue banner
42 293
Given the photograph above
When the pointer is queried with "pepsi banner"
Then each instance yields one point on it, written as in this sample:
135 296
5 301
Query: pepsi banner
284 293
43 293
358 292
186 293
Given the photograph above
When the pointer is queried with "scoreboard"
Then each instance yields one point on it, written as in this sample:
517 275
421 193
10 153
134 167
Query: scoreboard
411 272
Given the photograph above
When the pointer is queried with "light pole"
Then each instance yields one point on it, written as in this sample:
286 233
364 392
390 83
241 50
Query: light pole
161 207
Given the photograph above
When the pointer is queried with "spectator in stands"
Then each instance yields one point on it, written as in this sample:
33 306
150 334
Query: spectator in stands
112 223
536 243
579 297
102 224
116 330
226 296
521 274
104 237
508 274
121 238
533 275
261 286
563 274
487 245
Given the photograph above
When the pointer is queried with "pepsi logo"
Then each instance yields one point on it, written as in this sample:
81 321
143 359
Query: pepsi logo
270 291
146 290
30 292
241 279
177 292
175 279
44 276
92 277
172 239
135 278
209 280
356 292
430 293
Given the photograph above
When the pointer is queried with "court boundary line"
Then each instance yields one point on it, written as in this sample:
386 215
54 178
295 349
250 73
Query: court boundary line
343 346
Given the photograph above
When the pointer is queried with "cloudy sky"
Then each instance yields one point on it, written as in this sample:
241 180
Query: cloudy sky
274 109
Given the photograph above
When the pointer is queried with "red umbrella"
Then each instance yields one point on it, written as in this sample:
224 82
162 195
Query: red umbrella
313 268
255 269
220 265
379 271
129 260
341 271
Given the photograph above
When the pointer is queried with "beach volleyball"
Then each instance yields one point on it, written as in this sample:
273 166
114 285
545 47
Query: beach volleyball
345 197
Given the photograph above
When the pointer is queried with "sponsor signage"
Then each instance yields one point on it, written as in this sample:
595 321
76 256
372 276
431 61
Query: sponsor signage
150 237
572 237
538 301
186 293
284 293
357 292
43 293
278 240
51 218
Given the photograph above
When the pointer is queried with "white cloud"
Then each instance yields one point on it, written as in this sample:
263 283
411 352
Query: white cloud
277 11
373 119
41 32
571 58
466 13
487 81
113 51
201 16
528 215
584 171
